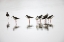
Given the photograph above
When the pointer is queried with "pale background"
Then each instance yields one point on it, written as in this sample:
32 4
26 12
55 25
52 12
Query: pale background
33 8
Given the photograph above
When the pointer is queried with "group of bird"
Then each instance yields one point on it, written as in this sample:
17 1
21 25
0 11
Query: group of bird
45 17
41 17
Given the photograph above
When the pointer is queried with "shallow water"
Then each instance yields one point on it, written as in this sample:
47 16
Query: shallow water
33 8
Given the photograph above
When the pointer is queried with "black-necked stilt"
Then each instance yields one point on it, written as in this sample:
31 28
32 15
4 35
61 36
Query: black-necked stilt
7 14
50 17
37 20
29 19
39 24
15 18
45 17
39 17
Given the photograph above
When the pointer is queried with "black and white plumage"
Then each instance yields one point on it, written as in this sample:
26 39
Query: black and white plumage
7 14
40 16
50 17
15 18
29 20
29 16
44 17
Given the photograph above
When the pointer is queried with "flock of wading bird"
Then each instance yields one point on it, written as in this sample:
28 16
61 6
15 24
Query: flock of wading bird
39 25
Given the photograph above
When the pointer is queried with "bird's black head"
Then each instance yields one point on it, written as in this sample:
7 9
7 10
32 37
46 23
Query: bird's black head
12 16
37 16
26 15
7 12
51 15
41 15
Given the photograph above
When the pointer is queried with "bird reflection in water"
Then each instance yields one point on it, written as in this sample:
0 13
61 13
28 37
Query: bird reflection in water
29 26
8 25
51 25
15 27
7 15
46 27
39 26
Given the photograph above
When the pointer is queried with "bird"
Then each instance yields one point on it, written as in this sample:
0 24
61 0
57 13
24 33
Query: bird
7 14
39 17
50 17
29 18
15 18
45 17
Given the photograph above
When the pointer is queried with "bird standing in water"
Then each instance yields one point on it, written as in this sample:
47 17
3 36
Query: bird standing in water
7 14
45 17
15 18
29 19
50 17
40 17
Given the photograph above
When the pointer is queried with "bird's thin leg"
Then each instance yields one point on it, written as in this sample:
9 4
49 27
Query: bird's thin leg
50 20
8 20
40 20
45 21
29 21
8 17
36 21
16 22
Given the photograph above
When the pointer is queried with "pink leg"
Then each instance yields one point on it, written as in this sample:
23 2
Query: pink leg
50 20
45 21
40 20
16 22
29 21
8 19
